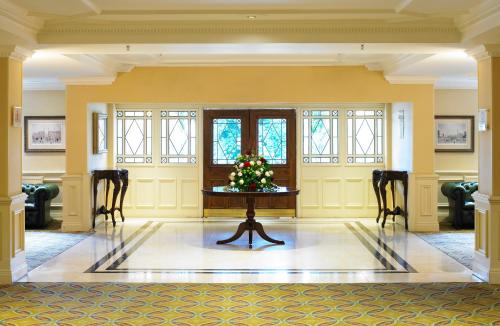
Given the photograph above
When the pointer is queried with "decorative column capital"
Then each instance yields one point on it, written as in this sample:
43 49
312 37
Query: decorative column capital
15 52
485 51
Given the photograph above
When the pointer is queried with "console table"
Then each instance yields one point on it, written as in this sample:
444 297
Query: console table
380 179
119 178
250 223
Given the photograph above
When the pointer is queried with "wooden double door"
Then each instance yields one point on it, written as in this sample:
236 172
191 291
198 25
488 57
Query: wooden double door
269 132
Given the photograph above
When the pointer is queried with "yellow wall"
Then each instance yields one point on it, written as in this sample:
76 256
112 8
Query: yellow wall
224 85
457 102
10 137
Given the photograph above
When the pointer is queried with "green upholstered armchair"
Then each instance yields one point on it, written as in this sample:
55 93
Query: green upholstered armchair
38 204
460 202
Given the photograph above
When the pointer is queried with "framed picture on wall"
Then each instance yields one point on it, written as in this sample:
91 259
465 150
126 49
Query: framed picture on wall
454 133
44 134
100 132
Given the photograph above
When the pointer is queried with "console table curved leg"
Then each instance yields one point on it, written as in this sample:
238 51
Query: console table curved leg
241 229
124 177
260 230
116 190
383 193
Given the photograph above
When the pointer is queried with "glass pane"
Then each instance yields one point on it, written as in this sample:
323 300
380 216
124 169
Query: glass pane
178 135
272 139
305 131
365 136
134 137
320 134
226 142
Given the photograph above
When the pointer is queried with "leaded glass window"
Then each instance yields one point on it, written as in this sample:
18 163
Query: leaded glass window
226 140
320 136
272 139
133 136
365 136
178 136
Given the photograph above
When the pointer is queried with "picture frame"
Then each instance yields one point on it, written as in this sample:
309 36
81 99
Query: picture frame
100 133
454 133
44 134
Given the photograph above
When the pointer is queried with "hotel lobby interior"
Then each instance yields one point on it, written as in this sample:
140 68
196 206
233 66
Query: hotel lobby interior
295 162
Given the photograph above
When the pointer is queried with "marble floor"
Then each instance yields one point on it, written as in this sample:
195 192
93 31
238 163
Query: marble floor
315 251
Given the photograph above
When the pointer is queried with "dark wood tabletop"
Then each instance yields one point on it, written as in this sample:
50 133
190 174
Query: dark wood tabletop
223 191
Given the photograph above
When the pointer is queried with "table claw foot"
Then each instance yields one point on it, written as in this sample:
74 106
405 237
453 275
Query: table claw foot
241 229
260 230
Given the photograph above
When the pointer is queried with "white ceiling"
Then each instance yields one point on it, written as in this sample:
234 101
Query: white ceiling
56 61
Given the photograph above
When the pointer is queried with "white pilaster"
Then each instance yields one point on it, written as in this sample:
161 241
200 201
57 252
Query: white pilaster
12 255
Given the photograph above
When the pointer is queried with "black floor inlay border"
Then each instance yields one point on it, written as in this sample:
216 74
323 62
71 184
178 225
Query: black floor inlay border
148 232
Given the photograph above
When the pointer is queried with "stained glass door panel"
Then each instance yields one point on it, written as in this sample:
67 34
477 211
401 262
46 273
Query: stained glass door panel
273 133
225 135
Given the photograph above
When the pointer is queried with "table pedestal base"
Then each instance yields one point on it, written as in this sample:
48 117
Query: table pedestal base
250 225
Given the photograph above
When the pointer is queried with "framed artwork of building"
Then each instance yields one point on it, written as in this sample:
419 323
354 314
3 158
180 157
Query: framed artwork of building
454 133
44 134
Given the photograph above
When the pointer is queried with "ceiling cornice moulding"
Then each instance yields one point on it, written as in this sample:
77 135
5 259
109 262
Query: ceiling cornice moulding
16 21
254 31
90 80
485 51
480 19
411 80
456 84
14 52
43 85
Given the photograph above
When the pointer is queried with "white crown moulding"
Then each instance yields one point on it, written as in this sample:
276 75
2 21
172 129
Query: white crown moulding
43 85
15 52
90 80
411 80
485 51
445 83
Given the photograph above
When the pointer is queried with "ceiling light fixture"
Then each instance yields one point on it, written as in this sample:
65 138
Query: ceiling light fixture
251 17
362 47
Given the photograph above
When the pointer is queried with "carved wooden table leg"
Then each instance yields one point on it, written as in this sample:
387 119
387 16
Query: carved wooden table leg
116 190
405 186
376 174
383 193
95 181
250 224
124 179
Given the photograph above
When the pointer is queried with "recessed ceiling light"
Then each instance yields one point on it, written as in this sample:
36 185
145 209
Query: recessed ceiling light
251 17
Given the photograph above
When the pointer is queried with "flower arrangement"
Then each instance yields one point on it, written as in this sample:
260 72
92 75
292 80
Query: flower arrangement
251 172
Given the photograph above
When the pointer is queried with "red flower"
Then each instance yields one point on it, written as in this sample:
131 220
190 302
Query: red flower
252 186
246 164
248 152
263 160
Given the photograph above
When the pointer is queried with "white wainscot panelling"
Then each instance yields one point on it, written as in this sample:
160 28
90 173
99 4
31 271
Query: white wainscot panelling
167 193
332 193
354 193
189 187
145 193
310 193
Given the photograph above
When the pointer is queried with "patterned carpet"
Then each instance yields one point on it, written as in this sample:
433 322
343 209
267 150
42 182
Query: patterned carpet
250 304
43 245
458 244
